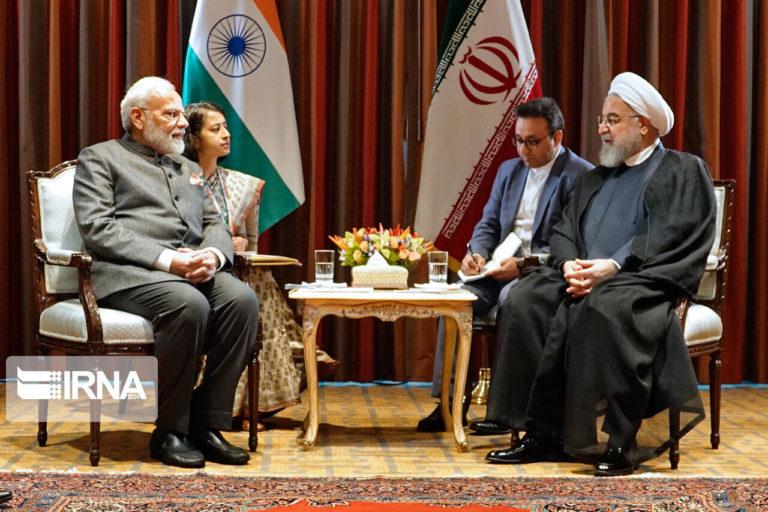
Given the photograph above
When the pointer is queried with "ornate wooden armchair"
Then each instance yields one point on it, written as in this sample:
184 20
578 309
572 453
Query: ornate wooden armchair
68 319
702 317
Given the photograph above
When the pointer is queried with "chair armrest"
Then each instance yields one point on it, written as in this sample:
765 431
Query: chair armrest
722 257
247 260
82 262
61 257
681 310
253 259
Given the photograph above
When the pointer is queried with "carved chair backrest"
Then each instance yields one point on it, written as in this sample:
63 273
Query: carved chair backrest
53 221
712 285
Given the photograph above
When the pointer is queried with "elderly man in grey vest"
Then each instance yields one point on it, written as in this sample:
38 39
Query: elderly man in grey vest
160 251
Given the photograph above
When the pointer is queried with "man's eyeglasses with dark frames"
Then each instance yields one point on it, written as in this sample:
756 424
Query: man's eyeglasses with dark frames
529 143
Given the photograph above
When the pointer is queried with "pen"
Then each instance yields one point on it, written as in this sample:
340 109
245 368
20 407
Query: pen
471 253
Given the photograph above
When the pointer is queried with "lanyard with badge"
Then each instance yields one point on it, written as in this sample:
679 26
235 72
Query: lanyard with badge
223 211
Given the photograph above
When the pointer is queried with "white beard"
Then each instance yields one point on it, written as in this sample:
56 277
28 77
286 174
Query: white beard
612 155
162 142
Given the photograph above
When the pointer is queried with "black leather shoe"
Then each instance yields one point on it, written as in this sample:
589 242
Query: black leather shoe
490 428
434 422
614 462
217 449
530 449
172 449
5 496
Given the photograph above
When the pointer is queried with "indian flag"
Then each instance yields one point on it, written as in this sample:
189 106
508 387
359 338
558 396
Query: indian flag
486 70
237 59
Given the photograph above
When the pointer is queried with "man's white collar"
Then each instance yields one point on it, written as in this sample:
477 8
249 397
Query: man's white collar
642 155
548 166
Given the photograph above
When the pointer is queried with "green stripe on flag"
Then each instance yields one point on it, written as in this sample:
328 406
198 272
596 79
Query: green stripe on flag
246 155
459 20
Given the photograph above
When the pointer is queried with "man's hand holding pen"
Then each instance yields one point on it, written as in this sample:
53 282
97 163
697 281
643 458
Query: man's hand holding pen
472 264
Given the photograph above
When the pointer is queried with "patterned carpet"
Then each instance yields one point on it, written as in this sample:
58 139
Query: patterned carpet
369 431
92 493
369 458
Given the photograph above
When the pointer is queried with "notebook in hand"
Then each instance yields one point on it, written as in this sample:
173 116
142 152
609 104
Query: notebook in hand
505 249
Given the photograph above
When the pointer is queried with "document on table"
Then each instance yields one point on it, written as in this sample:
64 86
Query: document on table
506 249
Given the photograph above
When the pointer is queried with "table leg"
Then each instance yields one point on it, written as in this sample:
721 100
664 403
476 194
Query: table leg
311 319
464 326
449 349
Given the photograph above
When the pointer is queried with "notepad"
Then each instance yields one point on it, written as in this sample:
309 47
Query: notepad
505 249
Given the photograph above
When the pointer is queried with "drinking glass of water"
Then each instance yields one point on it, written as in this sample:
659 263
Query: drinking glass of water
324 266
438 267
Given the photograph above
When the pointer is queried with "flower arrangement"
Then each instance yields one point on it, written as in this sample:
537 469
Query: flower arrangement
397 246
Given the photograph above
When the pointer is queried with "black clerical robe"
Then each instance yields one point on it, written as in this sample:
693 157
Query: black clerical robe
619 352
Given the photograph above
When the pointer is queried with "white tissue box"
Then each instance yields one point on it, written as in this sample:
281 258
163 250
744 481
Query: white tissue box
391 276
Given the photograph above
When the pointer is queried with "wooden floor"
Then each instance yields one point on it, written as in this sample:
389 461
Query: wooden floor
369 431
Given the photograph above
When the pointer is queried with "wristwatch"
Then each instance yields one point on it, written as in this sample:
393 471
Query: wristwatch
527 262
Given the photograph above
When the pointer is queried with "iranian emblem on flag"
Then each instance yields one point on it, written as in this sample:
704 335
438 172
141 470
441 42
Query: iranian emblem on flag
485 72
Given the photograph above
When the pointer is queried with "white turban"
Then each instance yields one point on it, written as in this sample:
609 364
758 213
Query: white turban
644 99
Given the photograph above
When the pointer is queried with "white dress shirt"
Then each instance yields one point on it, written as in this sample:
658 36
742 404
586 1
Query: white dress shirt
526 212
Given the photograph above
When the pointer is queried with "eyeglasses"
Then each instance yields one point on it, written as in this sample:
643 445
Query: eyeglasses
529 143
612 120
171 115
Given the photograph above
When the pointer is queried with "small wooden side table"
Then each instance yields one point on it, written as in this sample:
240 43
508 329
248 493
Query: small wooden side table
389 305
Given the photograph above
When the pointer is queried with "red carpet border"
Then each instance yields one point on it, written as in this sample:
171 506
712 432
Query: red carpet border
61 492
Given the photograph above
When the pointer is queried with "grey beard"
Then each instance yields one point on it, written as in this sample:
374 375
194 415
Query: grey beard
162 142
612 155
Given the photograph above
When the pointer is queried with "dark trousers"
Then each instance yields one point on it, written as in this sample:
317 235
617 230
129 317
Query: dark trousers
524 322
218 318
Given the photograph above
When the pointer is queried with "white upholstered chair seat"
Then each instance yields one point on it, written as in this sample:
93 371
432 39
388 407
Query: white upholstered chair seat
702 325
66 320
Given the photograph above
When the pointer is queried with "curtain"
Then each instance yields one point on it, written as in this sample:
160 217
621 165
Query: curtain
362 72
65 67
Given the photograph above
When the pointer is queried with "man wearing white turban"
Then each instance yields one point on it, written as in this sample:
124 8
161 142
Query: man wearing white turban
596 334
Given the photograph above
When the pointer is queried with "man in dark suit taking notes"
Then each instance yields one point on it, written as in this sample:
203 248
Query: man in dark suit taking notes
526 201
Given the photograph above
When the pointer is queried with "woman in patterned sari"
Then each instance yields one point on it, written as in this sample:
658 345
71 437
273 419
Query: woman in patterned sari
236 196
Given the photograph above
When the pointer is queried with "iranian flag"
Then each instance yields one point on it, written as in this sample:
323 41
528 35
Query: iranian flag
237 59
486 69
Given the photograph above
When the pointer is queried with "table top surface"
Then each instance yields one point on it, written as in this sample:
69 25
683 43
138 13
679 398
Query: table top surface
409 295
